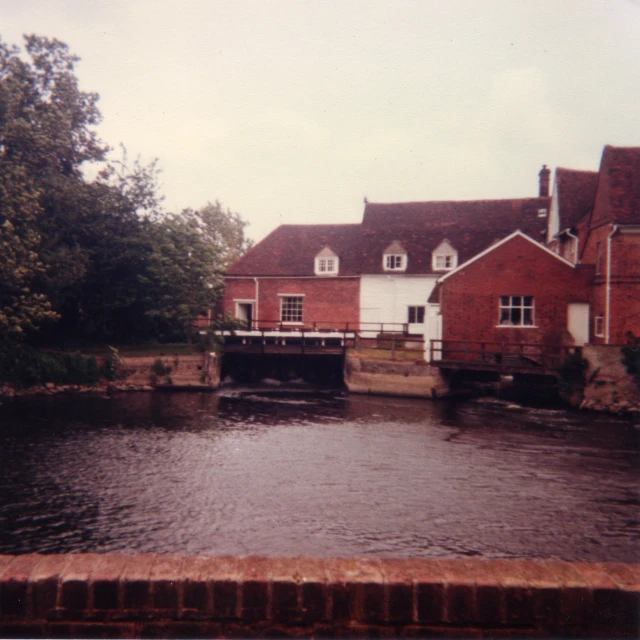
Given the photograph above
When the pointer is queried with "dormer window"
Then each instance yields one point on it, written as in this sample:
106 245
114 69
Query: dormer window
394 257
444 257
327 263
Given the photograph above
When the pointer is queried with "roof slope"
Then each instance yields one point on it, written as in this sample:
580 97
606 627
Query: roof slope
469 226
576 192
290 250
618 194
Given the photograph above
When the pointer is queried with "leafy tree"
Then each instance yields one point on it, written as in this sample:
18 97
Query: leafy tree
21 309
190 253
45 135
98 256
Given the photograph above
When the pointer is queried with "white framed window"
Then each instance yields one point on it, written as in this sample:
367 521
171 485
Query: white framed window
598 328
394 257
444 257
291 308
516 311
394 262
416 315
444 263
327 262
326 265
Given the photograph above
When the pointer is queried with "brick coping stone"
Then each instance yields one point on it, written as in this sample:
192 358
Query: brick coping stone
171 595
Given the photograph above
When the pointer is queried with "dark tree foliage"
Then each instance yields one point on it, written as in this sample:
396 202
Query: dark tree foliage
91 260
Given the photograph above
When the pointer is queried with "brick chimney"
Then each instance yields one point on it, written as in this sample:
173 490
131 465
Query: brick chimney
544 181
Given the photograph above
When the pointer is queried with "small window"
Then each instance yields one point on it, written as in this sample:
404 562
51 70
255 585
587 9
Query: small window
444 262
394 262
326 262
599 326
416 315
516 311
327 265
291 308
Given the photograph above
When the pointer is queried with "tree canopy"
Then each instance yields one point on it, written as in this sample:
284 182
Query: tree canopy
98 259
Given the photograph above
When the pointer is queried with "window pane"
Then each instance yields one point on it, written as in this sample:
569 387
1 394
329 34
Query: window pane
528 301
291 309
504 301
528 316
516 301
515 315
504 316
420 315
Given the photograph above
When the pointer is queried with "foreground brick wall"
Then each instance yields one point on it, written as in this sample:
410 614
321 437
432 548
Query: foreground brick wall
92 595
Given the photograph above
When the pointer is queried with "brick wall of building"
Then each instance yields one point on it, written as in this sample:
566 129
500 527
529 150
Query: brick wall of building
327 300
148 595
624 281
470 298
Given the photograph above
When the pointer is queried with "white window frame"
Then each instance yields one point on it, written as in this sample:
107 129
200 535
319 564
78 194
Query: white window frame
452 260
394 262
284 298
416 310
598 326
513 304
327 266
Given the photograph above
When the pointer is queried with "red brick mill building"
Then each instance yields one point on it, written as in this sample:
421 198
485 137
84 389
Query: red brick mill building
560 268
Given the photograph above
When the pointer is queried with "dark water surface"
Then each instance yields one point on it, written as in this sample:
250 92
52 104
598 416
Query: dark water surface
315 474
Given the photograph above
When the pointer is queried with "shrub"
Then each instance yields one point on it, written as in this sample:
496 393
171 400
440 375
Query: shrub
631 357
160 369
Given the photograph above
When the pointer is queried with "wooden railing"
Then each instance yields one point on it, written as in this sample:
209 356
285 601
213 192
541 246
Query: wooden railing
320 336
504 357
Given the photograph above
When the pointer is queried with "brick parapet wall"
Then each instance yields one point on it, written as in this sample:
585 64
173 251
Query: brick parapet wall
91 595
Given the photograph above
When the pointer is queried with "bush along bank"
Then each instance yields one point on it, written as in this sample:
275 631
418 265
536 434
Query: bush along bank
24 367
28 371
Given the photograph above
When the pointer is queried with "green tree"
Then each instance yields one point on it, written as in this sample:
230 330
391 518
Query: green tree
21 309
190 253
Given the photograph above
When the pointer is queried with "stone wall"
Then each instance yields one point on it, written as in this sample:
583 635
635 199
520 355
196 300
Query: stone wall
176 372
385 377
609 387
147 595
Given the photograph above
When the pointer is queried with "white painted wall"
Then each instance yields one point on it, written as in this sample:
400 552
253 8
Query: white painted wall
386 298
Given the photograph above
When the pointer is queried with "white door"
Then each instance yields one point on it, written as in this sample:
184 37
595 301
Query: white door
578 322
434 332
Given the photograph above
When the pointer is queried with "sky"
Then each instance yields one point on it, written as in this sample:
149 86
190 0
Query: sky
294 111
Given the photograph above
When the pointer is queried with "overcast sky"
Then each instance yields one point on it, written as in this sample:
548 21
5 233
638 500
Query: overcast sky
292 111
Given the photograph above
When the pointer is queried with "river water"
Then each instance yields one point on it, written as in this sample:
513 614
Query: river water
293 473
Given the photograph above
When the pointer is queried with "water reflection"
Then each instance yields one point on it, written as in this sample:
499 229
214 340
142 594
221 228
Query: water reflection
321 474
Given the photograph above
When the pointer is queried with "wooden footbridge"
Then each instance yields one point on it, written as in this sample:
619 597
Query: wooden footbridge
502 357
318 338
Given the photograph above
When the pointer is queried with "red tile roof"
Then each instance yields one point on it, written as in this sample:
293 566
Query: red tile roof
290 251
419 227
618 194
576 192
469 226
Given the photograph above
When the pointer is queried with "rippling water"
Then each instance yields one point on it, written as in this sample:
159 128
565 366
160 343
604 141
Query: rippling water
315 474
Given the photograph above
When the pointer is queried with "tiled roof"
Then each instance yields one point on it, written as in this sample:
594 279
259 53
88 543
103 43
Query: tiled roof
618 194
470 227
290 250
576 191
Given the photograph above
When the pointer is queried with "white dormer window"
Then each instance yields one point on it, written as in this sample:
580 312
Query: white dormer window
327 263
394 257
444 257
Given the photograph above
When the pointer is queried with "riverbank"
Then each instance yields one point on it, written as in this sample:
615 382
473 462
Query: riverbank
199 372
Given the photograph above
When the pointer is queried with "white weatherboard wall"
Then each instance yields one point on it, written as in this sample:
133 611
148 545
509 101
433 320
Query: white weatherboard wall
387 298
